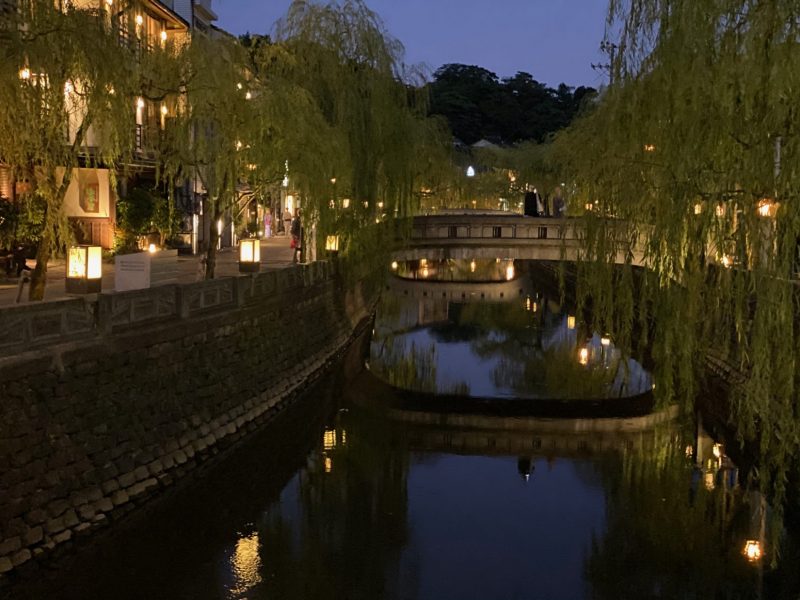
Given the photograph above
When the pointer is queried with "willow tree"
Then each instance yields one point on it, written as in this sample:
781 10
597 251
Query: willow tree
693 155
67 91
375 110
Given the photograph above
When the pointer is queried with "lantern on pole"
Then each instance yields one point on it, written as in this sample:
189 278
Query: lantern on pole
332 245
249 255
84 270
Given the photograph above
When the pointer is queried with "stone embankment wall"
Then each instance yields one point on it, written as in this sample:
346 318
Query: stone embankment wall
115 400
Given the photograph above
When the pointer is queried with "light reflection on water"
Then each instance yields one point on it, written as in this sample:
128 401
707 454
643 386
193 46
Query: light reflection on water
477 335
245 565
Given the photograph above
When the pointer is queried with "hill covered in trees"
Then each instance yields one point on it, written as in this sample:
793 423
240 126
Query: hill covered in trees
479 105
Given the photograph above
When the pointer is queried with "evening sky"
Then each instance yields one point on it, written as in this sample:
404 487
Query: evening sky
553 40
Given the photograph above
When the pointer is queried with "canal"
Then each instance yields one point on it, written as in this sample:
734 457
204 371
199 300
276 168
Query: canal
470 459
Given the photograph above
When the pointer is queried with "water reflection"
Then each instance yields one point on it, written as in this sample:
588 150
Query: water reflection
452 327
374 502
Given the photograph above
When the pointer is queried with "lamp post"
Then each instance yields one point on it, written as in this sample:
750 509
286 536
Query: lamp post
249 255
332 245
84 270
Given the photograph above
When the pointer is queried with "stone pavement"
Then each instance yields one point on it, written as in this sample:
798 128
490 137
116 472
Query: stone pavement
275 254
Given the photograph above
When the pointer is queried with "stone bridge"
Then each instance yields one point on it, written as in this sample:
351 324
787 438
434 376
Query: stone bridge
488 236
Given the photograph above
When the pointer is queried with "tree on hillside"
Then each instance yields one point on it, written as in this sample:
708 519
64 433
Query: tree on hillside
477 104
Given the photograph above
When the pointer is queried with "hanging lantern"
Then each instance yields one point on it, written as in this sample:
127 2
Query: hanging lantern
249 256
767 207
84 270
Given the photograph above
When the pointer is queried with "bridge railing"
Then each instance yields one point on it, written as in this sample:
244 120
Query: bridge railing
492 227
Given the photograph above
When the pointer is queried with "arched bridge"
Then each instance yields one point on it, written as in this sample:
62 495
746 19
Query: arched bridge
504 235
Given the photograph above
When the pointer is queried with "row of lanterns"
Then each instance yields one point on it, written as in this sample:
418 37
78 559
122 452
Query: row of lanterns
85 263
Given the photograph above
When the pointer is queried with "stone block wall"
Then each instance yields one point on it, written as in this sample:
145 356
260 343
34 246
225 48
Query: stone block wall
95 426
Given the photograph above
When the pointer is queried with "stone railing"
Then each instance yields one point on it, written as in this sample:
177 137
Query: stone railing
492 227
30 326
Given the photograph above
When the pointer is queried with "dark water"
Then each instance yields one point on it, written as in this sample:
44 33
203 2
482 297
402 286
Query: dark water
352 496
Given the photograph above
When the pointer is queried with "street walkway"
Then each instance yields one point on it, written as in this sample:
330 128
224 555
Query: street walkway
275 254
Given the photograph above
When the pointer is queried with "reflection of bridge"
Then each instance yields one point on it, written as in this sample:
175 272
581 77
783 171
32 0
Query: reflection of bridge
472 432
454 291
487 236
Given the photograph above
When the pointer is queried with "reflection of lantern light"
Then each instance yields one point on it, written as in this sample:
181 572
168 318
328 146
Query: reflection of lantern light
328 464
84 270
249 256
649 148
394 265
570 322
332 244
583 356
246 564
472 266
510 272
752 550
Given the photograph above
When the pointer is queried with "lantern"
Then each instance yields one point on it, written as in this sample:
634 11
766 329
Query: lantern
84 270
249 256
767 207
583 356
332 244
570 322
752 550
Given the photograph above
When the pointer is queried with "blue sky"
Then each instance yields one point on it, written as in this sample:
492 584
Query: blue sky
554 40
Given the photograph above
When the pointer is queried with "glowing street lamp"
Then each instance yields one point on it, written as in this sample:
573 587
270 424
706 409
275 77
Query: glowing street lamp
767 207
84 270
752 551
249 255
332 245
583 356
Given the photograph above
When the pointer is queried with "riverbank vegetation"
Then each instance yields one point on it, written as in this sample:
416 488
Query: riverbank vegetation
691 154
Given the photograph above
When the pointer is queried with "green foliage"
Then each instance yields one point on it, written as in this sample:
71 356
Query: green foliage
68 89
477 104
697 129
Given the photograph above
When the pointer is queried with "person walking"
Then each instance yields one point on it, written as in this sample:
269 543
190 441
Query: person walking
267 223
296 230
287 222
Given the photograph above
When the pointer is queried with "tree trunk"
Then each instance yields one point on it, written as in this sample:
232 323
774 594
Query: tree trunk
213 240
39 275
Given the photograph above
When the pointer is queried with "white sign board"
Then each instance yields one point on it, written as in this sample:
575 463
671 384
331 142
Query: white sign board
131 272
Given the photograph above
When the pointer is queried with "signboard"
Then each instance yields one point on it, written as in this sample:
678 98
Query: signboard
131 272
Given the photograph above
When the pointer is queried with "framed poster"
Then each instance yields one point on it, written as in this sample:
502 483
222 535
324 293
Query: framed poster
90 198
